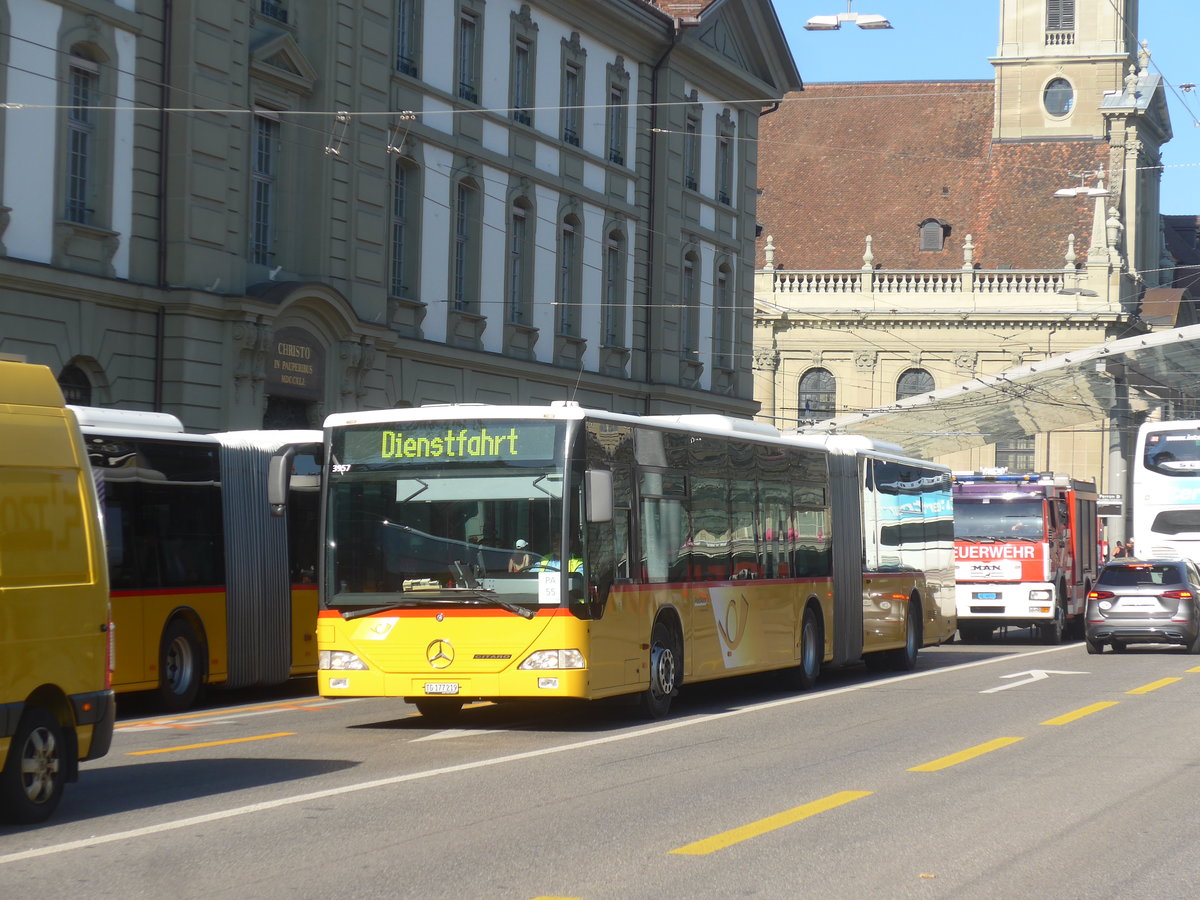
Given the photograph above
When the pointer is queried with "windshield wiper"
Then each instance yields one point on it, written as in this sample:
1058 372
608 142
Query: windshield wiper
446 597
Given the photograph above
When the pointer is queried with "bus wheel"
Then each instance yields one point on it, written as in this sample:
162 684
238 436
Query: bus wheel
439 712
32 781
665 660
180 666
904 659
812 648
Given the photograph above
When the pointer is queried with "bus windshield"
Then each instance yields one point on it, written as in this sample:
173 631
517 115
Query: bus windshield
458 512
998 519
1175 453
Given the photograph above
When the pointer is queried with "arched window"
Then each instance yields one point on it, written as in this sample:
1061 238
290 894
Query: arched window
76 386
570 248
613 325
818 392
913 382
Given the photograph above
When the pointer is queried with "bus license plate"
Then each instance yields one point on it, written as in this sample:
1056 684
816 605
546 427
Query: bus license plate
441 687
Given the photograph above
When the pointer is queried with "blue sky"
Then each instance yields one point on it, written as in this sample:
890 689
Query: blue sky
955 38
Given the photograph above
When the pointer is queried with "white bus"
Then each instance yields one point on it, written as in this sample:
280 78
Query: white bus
1166 490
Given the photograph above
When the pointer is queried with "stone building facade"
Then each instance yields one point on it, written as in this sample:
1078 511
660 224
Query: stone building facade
917 235
256 213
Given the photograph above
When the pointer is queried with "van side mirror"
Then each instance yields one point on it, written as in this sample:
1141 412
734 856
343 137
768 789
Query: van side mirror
598 491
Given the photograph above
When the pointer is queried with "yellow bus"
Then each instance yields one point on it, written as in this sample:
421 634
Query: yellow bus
697 547
207 586
56 704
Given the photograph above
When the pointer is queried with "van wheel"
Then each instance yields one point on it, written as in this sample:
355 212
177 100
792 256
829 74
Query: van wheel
32 781
666 660
180 665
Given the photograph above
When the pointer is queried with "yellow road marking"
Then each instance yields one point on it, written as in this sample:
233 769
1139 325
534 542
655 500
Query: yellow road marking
1194 669
771 823
1080 713
1154 685
954 759
261 737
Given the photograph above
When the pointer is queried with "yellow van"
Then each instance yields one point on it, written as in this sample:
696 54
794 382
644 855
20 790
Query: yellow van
56 699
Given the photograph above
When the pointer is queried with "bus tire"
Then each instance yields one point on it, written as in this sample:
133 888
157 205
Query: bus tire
31 784
439 712
666 665
904 659
180 665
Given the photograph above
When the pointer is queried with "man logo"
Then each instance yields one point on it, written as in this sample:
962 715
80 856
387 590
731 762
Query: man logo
440 654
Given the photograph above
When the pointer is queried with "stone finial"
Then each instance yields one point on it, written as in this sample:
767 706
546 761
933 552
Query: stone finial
969 253
1131 80
868 257
769 252
1144 57
1070 266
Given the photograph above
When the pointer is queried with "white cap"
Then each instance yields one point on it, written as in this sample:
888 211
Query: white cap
521 545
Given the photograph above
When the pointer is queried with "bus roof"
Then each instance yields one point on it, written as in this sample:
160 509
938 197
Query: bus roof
568 410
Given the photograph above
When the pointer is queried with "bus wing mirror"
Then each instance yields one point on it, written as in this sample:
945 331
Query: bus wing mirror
598 485
279 475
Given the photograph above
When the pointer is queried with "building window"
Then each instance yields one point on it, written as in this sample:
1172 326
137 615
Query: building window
570 110
76 386
933 235
468 56
724 170
1015 455
274 9
1059 97
613 325
405 194
688 302
1060 15
522 73
569 280
913 382
408 37
818 392
691 152
519 234
724 315
262 185
84 88
466 242
616 123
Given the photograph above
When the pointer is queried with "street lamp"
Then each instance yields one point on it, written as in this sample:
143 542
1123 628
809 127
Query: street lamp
1083 190
833 23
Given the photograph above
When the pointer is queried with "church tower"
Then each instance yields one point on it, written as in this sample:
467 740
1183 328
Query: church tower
1055 61
1074 70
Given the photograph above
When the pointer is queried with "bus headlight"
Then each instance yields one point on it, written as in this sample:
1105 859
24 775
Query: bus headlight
553 659
339 659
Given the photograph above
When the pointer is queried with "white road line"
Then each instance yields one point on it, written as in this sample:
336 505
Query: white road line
98 840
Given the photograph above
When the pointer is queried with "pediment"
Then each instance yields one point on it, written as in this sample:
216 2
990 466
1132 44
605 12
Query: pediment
281 61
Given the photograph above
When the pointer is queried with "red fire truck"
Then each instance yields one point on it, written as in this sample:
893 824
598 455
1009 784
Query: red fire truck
1025 552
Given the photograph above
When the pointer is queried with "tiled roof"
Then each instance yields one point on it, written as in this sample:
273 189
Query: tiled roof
838 162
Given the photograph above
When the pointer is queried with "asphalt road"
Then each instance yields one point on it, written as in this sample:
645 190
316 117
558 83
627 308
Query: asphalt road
1003 770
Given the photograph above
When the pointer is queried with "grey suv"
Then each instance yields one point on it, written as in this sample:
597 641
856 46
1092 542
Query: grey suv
1144 601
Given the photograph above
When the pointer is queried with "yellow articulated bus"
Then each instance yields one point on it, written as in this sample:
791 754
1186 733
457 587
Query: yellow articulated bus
207 586
56 705
477 552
